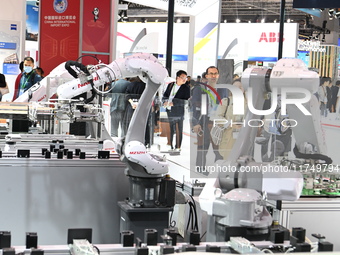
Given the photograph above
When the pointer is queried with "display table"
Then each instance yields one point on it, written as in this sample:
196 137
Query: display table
17 110
48 196
135 219
317 215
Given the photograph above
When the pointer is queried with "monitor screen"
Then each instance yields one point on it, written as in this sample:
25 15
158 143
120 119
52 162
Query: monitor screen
316 4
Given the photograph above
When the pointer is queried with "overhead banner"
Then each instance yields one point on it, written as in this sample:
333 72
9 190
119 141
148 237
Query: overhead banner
96 30
59 32
188 7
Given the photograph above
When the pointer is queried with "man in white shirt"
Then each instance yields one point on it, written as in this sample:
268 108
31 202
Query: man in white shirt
174 99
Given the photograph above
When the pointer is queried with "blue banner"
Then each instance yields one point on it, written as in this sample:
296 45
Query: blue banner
12 69
9 46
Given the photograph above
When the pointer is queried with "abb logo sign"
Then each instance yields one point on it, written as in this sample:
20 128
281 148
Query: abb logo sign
270 37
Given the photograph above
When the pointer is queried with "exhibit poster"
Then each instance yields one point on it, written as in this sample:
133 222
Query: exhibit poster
9 46
96 30
32 21
59 29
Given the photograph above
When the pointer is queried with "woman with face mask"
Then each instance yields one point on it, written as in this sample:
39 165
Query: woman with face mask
26 79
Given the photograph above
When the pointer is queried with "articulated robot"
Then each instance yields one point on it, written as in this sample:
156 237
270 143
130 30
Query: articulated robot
148 187
232 198
237 202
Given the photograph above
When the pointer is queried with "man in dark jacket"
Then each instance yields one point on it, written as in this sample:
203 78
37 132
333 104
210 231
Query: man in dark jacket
201 113
27 78
174 101
24 81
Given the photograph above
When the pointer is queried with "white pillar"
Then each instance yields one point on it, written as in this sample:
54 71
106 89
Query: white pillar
13 28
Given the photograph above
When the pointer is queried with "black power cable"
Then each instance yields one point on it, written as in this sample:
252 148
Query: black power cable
316 156
68 67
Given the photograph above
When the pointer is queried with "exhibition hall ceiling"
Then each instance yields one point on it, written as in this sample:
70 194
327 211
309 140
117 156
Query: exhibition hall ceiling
255 11
231 11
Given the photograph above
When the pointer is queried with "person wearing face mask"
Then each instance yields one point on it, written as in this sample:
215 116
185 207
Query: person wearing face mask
26 79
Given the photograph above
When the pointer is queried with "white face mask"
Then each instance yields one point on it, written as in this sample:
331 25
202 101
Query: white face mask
28 69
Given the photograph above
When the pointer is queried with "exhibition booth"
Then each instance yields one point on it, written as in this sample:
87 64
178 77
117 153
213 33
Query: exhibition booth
275 189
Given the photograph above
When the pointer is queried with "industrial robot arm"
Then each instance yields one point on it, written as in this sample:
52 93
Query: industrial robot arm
79 80
296 85
231 197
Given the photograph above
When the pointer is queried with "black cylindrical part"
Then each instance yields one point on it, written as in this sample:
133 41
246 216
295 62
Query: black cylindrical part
60 154
170 35
282 23
47 154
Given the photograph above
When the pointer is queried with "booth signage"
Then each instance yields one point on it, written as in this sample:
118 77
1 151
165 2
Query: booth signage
270 37
59 32
310 46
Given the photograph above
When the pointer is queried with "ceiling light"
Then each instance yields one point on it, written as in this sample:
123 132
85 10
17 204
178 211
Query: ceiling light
337 13
123 7
331 13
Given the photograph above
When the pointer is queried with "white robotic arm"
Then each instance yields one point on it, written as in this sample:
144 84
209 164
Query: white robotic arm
67 86
231 191
139 64
291 79
79 80
47 87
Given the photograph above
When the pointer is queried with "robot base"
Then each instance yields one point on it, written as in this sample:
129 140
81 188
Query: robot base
143 192
223 233
138 219
157 192
275 234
